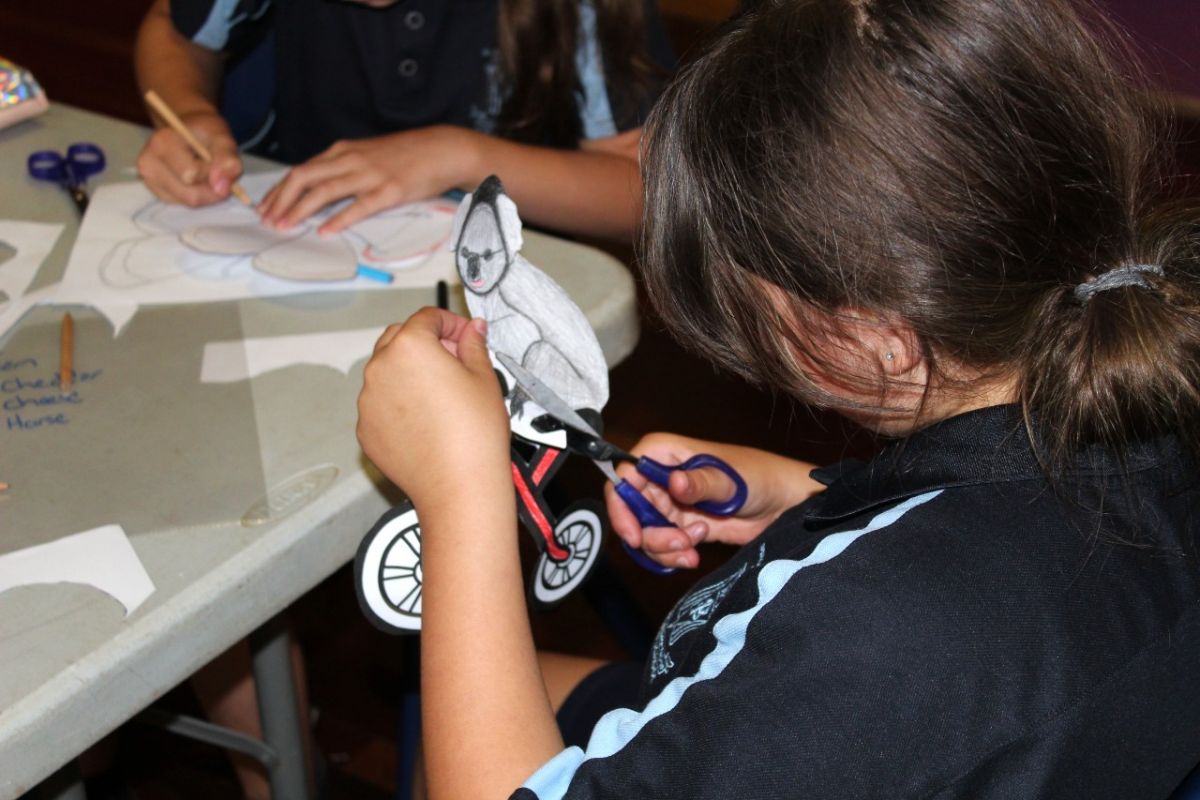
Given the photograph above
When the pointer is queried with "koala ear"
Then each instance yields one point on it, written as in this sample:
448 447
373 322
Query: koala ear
460 217
510 223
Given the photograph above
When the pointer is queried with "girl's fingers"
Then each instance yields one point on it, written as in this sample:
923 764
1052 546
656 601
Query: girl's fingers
296 184
672 547
389 333
268 201
323 193
366 205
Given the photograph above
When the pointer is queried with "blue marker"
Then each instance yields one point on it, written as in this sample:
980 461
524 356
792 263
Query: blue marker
374 274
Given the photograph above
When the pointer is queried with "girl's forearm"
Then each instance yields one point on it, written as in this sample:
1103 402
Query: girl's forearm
186 75
594 192
488 724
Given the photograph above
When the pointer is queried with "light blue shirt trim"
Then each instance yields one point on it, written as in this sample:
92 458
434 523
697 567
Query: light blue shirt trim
214 34
596 113
616 728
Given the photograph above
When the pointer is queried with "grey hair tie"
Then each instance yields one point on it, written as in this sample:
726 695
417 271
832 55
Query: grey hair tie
1128 275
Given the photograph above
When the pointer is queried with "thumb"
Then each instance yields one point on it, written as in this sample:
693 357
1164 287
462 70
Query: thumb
225 167
472 347
694 486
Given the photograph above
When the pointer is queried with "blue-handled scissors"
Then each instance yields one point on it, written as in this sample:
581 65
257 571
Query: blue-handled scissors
582 438
70 171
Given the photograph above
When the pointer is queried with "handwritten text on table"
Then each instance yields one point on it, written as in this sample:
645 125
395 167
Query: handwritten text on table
30 397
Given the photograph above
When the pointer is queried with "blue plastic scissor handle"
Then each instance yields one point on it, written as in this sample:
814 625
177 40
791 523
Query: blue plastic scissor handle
650 517
82 160
661 473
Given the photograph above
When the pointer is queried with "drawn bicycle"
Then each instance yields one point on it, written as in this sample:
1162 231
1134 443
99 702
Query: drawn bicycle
387 568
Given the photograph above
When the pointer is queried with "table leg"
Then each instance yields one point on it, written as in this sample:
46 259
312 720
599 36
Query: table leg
277 708
65 784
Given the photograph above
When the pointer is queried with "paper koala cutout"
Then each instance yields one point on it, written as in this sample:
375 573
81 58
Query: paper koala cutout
533 321
530 318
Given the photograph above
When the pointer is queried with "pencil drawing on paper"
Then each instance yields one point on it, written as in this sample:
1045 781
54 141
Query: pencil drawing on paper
530 318
227 241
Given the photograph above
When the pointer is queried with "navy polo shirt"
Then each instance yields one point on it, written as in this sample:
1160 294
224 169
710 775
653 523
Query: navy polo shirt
941 622
342 70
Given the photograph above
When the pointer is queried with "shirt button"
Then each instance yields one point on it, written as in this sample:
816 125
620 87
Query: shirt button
407 68
414 20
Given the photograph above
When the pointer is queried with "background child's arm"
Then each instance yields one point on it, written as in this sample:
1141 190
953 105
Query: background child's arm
594 191
432 419
187 76
776 483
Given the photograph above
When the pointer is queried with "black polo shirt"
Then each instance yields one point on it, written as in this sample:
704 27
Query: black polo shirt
342 70
940 623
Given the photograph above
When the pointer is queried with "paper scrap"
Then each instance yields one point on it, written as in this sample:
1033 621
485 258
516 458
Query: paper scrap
102 558
133 250
31 242
242 359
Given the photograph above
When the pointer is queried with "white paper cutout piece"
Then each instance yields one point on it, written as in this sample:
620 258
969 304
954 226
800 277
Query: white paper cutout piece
133 250
410 234
300 255
530 318
102 558
239 360
237 240
32 242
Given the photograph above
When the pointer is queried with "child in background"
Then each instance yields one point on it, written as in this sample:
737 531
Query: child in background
938 218
388 102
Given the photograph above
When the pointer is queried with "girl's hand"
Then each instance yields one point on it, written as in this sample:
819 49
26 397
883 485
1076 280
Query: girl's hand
379 173
177 175
430 414
775 484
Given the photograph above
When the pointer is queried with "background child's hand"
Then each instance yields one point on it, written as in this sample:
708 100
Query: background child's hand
379 173
775 484
430 414
177 175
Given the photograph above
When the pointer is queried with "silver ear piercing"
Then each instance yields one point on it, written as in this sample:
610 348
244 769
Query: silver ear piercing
889 355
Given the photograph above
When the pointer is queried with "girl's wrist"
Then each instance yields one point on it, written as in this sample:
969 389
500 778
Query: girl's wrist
473 506
470 161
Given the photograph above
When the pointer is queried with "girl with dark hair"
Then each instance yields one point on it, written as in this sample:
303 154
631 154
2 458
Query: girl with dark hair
387 102
938 217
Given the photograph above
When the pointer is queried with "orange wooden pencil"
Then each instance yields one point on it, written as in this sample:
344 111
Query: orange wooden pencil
163 110
66 356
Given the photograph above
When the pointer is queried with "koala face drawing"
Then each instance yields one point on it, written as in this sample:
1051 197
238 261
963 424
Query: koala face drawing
482 255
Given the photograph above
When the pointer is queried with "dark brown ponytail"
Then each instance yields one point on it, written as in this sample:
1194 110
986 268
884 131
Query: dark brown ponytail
962 165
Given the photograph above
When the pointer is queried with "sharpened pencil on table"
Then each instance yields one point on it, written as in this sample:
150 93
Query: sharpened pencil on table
66 355
168 116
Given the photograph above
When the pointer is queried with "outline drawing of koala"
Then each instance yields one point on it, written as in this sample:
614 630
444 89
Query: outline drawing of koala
530 318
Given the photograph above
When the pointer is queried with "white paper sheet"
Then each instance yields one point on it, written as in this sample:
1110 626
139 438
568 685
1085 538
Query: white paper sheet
101 557
131 252
239 360
32 241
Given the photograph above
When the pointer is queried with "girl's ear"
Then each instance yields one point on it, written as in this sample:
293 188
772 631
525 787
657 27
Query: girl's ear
886 343
460 217
898 352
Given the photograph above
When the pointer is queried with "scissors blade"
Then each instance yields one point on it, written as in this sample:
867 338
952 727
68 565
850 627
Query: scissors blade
545 397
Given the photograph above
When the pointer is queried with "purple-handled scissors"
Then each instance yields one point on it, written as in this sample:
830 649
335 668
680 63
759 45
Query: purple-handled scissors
70 171
582 438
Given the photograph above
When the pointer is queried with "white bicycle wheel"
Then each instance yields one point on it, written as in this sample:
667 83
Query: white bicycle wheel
387 572
580 532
